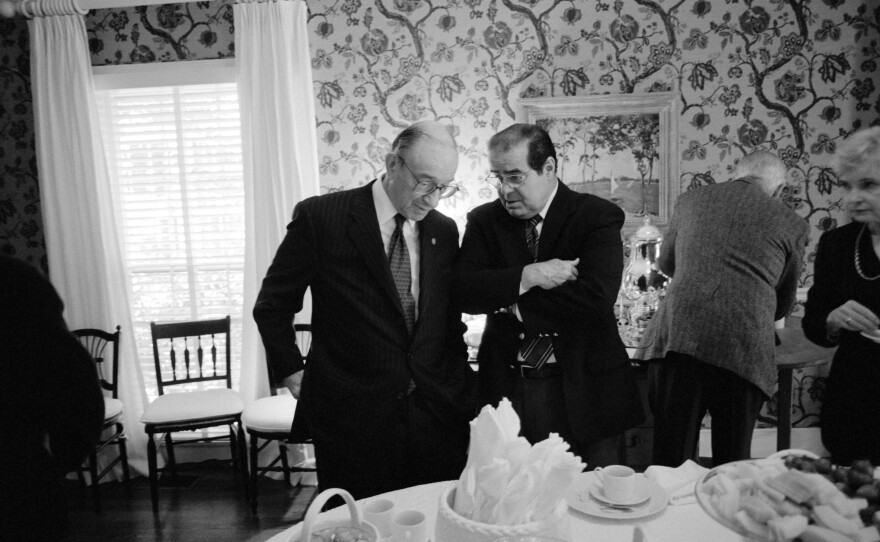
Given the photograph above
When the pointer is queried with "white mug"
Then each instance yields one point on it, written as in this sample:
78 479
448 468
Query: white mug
378 513
618 482
409 526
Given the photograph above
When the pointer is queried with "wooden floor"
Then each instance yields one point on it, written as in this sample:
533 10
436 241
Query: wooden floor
213 508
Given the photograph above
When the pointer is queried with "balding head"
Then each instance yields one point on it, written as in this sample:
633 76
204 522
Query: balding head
423 130
423 154
763 168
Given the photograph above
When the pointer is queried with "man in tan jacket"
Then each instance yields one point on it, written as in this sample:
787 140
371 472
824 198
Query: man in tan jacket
734 253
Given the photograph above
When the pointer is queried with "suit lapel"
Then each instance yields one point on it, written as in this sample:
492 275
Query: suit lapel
363 229
554 223
511 235
429 236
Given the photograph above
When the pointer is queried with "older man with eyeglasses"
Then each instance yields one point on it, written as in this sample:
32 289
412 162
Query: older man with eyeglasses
544 263
387 392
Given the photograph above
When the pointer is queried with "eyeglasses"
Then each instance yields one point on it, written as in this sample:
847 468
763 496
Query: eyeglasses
513 180
423 188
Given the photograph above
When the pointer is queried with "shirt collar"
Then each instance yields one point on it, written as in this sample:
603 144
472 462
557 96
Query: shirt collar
385 210
543 212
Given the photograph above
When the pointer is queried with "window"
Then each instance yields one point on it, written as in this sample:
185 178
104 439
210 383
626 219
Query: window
174 155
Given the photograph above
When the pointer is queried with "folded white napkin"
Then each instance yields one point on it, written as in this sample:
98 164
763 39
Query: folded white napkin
506 480
678 482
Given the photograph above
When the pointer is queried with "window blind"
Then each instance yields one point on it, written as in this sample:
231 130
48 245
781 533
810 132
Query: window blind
174 156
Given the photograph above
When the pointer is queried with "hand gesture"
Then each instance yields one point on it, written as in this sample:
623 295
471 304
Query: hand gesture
549 274
852 316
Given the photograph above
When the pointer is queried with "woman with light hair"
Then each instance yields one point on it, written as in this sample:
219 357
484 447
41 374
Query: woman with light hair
843 304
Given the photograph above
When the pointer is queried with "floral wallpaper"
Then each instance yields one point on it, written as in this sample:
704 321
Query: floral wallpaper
791 76
21 224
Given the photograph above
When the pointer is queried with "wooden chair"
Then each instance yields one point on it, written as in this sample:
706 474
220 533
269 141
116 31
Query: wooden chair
270 419
103 347
195 392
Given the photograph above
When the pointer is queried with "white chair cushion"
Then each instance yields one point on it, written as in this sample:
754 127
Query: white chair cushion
112 409
270 414
193 405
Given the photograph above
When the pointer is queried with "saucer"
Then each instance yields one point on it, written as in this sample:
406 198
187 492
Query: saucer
873 336
579 498
642 493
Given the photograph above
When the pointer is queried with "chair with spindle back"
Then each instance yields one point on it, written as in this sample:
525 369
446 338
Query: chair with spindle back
271 419
195 392
103 347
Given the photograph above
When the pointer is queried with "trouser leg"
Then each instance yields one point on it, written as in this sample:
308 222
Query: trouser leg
734 404
540 405
675 394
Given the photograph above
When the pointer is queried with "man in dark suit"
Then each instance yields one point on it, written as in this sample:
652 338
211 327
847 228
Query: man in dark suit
51 408
552 284
734 252
387 392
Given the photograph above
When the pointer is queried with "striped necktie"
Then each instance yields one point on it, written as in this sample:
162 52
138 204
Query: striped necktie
537 351
398 260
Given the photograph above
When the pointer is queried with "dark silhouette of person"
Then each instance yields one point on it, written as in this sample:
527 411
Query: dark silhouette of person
51 407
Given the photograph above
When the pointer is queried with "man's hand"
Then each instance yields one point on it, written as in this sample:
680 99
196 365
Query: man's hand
549 274
294 383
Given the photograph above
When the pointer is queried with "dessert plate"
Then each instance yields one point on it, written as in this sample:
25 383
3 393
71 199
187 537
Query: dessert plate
579 498
642 493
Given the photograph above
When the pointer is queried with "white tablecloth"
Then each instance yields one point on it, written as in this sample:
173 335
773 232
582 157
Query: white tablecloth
677 523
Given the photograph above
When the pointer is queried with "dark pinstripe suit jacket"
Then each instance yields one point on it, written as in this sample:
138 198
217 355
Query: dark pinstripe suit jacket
600 388
361 355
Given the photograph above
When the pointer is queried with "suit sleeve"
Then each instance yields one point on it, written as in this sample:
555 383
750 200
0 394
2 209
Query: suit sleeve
480 284
666 261
596 241
786 290
281 294
824 296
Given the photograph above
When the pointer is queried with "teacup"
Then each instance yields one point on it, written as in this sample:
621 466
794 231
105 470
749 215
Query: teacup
618 482
379 512
409 526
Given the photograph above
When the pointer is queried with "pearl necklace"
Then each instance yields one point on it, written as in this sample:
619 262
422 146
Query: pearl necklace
857 260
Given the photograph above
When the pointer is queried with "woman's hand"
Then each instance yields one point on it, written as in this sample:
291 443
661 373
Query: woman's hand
852 316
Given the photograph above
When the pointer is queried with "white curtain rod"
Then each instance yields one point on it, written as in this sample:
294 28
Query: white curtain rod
11 8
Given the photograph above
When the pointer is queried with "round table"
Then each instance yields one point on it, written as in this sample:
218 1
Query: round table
674 524
795 351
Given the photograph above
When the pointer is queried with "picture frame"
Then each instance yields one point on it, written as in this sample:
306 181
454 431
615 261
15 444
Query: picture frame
621 147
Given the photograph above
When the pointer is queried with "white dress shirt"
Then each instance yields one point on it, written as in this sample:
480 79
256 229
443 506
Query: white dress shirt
385 213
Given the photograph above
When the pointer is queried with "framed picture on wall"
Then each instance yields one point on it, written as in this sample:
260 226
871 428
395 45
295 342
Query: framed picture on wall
619 147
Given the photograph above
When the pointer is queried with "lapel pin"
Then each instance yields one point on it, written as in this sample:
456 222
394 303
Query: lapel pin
433 241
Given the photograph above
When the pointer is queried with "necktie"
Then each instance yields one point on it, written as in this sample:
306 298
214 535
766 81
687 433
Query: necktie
398 259
536 351
532 236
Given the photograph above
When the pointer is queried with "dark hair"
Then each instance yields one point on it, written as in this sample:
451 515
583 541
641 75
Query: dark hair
540 147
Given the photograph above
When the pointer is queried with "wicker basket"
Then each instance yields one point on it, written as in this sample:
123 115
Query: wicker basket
314 530
451 527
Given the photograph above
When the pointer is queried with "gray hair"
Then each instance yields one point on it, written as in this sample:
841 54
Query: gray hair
858 152
421 131
763 168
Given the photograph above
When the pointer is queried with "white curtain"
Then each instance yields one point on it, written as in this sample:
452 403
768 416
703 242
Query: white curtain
280 149
84 252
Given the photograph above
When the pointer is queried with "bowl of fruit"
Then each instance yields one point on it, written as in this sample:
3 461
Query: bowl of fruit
794 497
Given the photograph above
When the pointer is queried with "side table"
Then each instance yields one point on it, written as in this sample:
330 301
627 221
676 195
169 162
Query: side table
794 352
